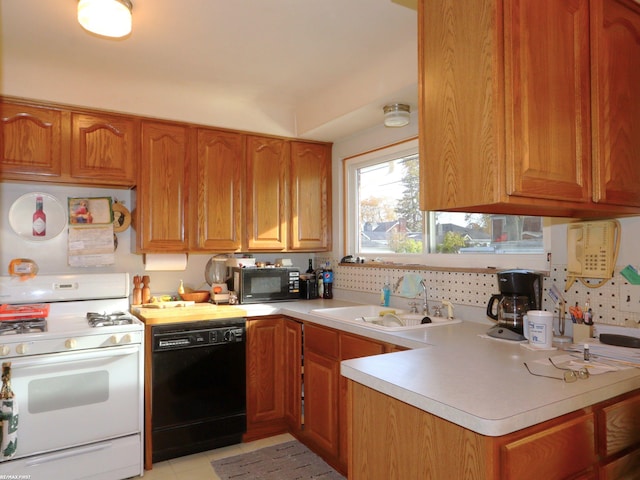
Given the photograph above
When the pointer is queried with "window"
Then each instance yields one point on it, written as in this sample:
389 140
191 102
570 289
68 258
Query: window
384 220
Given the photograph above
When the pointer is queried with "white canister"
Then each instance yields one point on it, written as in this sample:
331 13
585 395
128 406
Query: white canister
538 328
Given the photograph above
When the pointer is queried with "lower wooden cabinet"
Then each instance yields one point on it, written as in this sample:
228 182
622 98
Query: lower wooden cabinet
305 396
274 349
293 394
391 439
321 384
386 438
625 467
325 425
352 346
619 438
536 455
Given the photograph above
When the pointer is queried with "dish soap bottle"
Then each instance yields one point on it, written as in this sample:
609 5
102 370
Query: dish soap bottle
385 294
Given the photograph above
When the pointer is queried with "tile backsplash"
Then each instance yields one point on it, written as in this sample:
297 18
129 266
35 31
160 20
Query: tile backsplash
475 289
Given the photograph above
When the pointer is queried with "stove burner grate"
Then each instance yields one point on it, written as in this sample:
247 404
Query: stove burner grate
16 327
109 319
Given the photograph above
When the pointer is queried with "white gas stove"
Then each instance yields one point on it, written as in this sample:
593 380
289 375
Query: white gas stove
78 381
70 299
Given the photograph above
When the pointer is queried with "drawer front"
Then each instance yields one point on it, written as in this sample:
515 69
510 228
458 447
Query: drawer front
555 453
352 346
621 424
624 468
322 341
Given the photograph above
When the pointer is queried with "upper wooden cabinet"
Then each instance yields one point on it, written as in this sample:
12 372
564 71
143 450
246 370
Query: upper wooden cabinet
199 189
217 175
103 146
266 200
288 190
163 186
615 76
310 173
31 141
529 107
63 146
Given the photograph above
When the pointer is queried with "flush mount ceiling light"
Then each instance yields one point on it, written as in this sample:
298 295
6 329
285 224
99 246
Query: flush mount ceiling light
110 18
396 115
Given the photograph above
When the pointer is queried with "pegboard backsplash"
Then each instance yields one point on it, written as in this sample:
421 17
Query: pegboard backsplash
475 289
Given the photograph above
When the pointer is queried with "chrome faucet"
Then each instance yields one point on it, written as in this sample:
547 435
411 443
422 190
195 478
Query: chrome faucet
425 305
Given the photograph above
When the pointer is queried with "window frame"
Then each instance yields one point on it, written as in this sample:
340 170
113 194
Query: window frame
538 261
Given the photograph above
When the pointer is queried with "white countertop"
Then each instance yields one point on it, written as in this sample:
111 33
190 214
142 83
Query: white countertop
475 382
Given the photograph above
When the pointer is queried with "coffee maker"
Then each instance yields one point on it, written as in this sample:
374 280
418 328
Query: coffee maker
520 291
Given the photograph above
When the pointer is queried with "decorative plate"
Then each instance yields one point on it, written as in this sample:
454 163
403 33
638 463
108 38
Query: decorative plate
121 217
21 216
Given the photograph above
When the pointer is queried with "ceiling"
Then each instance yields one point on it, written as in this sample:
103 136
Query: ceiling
316 69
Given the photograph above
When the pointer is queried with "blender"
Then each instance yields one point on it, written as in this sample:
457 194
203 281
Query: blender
216 274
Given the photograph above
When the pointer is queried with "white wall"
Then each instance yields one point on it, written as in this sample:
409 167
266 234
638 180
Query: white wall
51 255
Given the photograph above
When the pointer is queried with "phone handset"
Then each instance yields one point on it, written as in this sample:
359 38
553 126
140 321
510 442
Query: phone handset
592 251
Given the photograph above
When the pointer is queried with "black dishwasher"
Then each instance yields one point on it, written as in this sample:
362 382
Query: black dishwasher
198 386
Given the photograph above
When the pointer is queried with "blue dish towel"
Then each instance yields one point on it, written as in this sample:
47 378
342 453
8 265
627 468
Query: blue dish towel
410 286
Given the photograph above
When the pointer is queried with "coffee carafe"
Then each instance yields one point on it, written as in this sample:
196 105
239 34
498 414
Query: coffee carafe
520 291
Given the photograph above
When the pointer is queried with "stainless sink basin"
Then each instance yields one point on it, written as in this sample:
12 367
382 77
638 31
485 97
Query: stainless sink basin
369 316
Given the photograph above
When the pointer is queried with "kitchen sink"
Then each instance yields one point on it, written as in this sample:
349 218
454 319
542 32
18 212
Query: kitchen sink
369 316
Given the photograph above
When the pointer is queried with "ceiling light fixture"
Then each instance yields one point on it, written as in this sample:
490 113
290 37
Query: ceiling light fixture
109 18
396 115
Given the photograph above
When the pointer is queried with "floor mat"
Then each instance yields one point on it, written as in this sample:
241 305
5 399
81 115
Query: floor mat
286 461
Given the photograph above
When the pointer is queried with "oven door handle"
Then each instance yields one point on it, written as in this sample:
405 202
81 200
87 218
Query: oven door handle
52 457
68 357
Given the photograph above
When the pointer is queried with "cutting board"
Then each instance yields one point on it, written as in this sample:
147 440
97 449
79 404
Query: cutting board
168 304
191 313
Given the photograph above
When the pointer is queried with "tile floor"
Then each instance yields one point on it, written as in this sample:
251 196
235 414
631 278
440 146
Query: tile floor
198 466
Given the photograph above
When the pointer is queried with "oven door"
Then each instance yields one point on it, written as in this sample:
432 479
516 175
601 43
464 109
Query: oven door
74 398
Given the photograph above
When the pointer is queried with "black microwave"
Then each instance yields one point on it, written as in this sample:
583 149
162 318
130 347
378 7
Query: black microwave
262 285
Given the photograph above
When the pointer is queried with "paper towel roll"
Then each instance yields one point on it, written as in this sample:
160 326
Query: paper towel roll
158 262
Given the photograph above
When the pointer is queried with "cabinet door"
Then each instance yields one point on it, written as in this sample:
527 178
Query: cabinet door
310 217
267 204
461 111
31 141
163 189
351 346
293 372
265 377
217 176
547 98
103 149
321 402
321 388
615 43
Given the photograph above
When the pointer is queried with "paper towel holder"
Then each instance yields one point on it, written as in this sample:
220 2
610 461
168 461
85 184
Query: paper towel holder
182 260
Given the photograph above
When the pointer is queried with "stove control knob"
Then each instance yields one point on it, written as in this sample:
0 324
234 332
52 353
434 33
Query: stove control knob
70 343
4 350
126 338
22 348
113 340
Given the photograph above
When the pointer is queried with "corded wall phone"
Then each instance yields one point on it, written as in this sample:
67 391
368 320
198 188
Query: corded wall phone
592 251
